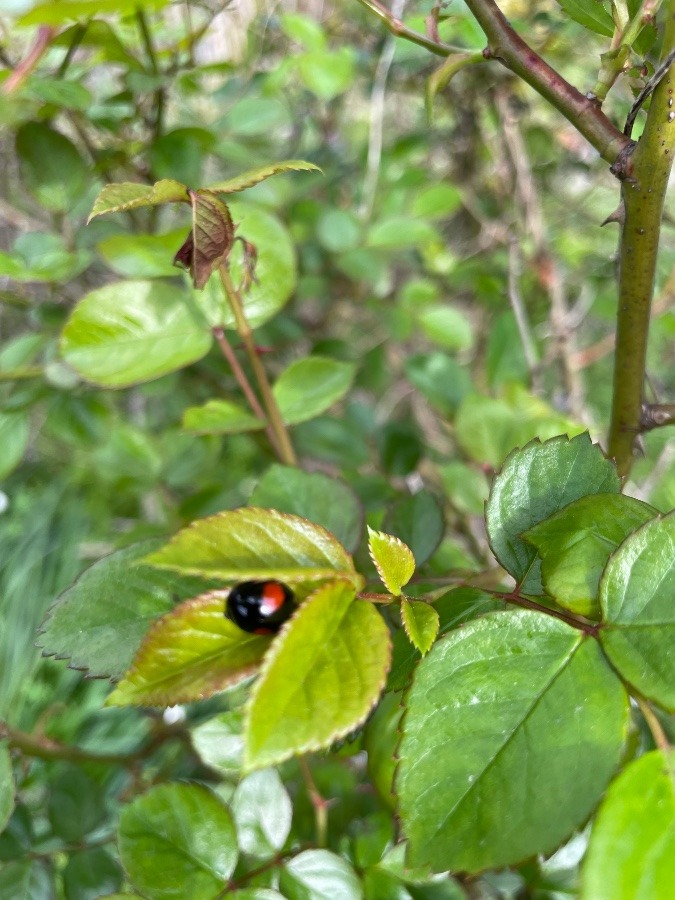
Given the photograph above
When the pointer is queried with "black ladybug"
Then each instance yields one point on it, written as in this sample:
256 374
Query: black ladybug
260 607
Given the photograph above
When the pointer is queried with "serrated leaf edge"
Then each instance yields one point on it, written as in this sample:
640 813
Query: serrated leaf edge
308 746
401 545
138 659
295 575
407 603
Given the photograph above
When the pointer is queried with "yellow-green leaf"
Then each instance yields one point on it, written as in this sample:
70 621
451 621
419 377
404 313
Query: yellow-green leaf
127 195
239 544
255 176
393 559
421 623
320 679
189 654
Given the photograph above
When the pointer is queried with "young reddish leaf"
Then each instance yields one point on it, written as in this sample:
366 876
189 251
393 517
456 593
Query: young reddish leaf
393 560
240 544
320 679
255 176
130 195
421 623
210 242
189 654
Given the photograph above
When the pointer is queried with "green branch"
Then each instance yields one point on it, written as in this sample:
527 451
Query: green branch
643 196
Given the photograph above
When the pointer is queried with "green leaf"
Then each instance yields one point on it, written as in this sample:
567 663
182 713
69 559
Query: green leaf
6 785
381 738
29 880
255 176
484 428
314 496
310 386
142 255
51 167
446 326
401 231
220 417
591 14
514 725
535 483
275 270
575 544
240 544
262 812
189 654
421 623
327 74
418 521
178 841
99 622
209 243
219 742
393 560
91 874
133 331
631 853
127 195
14 436
636 595
316 874
440 379
321 678
303 30
76 803
438 201
466 487
48 13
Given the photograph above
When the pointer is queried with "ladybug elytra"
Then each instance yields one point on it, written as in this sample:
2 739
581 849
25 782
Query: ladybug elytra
259 607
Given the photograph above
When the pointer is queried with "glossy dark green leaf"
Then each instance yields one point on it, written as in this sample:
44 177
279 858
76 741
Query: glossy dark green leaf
320 679
575 544
316 874
99 622
499 758
418 521
631 853
636 595
91 874
133 331
262 813
51 166
178 841
314 496
534 483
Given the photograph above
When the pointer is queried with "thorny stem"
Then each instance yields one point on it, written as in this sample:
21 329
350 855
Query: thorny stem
286 452
643 196
245 384
505 45
656 415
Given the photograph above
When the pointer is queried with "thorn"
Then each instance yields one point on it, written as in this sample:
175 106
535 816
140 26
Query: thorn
619 216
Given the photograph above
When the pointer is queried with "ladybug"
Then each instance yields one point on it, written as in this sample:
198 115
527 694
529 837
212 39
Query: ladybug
260 607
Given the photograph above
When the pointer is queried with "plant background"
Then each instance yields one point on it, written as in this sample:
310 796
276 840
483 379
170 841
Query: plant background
418 251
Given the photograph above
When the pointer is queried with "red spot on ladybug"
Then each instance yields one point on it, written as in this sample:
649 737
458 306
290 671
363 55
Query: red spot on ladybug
260 607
